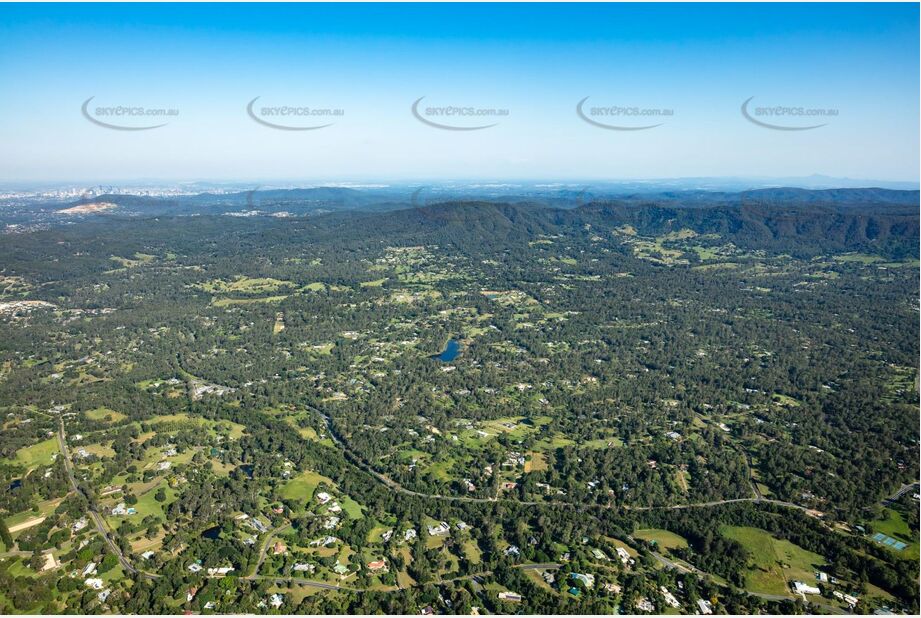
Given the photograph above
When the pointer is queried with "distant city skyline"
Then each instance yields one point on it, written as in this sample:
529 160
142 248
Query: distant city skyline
421 92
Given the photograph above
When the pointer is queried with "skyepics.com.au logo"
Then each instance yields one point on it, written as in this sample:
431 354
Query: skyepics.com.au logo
292 117
786 117
126 117
456 117
622 117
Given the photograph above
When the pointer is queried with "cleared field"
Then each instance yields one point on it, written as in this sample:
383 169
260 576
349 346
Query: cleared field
662 538
302 486
536 462
226 302
245 285
103 414
774 562
894 526
351 507
41 454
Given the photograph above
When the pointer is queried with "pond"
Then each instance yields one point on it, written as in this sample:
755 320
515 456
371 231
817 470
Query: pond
247 469
212 533
451 351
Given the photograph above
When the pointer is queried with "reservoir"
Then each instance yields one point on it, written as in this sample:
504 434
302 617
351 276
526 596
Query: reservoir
451 351
212 533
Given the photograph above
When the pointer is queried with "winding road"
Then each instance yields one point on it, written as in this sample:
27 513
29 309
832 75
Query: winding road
94 514
361 463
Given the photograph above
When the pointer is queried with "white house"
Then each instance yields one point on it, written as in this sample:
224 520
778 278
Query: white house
441 528
803 588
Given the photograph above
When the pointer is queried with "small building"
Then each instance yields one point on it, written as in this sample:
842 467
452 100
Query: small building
279 548
377 565
441 528
803 588
93 582
323 542
705 607
409 535
510 596
645 605
219 570
323 497
194 567
586 578
669 597
304 567
331 523
340 569
847 598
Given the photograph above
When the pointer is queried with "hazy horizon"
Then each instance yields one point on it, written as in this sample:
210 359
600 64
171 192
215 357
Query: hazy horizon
571 93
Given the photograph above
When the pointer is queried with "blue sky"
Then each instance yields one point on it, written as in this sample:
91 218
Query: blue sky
537 61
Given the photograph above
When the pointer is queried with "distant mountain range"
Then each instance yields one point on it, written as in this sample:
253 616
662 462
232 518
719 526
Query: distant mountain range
793 219
312 201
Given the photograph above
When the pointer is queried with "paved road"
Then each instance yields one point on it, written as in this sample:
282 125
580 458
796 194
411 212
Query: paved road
325 586
97 519
901 491
263 550
354 458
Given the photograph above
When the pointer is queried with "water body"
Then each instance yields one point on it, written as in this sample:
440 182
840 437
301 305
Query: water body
16 484
212 533
451 351
248 469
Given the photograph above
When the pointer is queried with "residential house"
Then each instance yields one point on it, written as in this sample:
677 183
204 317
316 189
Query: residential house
219 570
645 605
847 598
441 528
669 597
587 579
803 588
